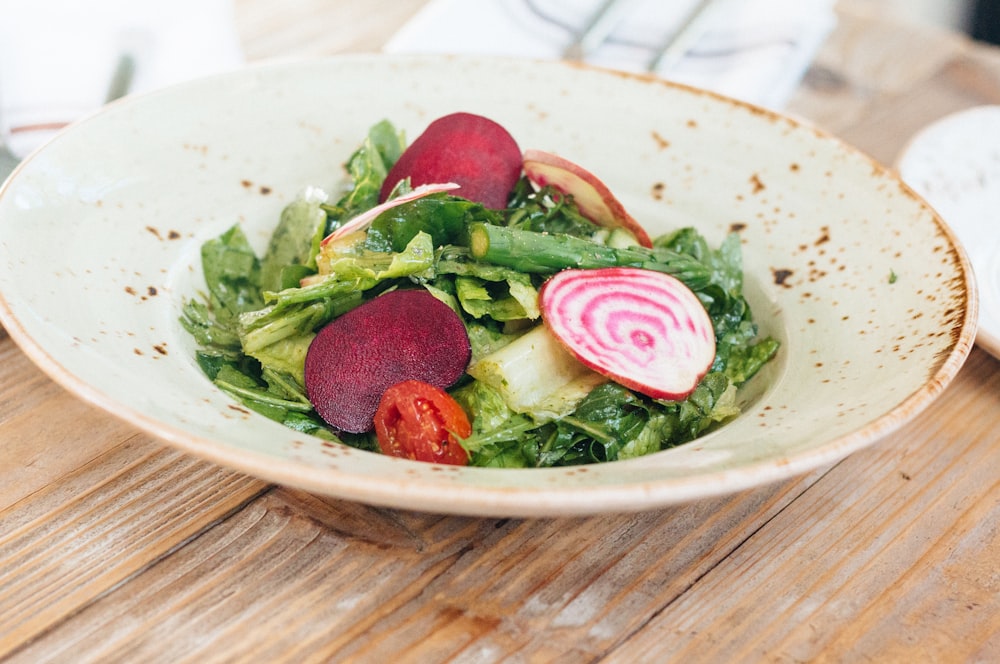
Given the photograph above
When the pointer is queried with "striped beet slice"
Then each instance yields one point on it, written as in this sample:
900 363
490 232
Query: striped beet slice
643 329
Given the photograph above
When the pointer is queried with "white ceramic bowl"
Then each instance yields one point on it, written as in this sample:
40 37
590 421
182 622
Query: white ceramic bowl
866 288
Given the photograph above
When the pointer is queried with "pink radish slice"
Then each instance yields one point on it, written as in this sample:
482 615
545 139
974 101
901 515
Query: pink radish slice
364 219
643 329
401 335
471 150
592 197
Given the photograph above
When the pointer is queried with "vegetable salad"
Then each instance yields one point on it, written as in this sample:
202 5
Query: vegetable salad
527 398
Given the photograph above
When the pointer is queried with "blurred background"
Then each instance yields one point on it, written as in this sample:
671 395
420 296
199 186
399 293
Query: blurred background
978 18
58 56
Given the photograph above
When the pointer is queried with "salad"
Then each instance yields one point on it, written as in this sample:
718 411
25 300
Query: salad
463 301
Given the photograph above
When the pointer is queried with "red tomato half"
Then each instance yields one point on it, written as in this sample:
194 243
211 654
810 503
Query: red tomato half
416 420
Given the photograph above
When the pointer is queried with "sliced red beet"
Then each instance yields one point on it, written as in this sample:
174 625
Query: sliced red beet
592 197
473 151
401 335
643 329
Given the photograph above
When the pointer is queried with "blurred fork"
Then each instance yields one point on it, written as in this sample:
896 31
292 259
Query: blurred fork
683 38
610 12
596 30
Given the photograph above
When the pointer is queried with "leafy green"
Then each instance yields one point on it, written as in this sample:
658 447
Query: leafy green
611 423
232 278
445 218
232 275
295 242
356 261
367 168
296 313
738 354
498 292
258 316
548 211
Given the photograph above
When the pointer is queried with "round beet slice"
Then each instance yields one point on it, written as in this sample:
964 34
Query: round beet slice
401 335
643 329
470 150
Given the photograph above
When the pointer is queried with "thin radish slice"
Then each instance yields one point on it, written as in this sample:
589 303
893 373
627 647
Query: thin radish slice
643 329
592 197
363 220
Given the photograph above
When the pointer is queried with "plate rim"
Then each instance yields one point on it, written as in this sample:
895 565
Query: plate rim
537 501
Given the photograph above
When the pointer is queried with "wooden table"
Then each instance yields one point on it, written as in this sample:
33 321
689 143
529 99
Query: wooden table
116 548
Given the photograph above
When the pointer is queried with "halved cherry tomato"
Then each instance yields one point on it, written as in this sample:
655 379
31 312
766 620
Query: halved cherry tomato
416 420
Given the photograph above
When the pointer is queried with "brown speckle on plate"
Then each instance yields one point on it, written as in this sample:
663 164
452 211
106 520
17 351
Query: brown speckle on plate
781 276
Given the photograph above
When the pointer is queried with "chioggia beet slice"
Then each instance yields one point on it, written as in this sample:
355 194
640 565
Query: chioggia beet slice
592 197
401 335
470 150
643 329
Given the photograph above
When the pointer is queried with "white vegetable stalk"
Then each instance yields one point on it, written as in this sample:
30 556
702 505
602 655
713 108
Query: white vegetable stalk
537 376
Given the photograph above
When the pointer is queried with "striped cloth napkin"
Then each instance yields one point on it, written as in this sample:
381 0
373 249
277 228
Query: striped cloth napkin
754 50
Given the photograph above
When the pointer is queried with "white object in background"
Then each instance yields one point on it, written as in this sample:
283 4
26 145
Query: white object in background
754 50
954 163
58 58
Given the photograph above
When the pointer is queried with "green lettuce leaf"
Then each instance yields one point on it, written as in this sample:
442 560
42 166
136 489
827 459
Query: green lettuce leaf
445 218
367 168
232 275
295 241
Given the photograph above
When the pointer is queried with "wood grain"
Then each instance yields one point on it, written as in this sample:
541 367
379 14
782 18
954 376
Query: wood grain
899 535
27 463
476 585
77 538
116 549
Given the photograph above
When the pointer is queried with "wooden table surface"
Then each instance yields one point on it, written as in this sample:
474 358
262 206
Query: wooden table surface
114 547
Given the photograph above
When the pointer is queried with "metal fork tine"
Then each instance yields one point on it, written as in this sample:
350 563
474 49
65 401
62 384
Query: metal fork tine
597 29
682 39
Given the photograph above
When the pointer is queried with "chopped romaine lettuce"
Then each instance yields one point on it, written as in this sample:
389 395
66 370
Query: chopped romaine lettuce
530 401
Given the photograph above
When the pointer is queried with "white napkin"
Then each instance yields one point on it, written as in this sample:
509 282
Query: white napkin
754 50
59 58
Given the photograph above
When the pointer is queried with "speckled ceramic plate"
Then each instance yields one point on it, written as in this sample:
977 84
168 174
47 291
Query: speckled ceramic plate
954 164
866 288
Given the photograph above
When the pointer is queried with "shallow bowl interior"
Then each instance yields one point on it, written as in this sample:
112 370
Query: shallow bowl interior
866 288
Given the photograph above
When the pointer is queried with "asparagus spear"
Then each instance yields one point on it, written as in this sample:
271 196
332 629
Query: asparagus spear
544 253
